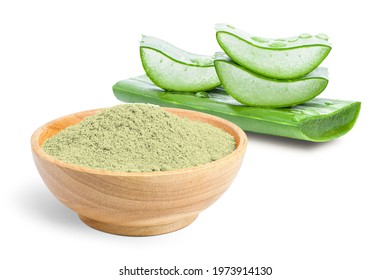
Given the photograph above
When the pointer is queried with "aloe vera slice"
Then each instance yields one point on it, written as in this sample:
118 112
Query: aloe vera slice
176 70
255 90
317 120
283 58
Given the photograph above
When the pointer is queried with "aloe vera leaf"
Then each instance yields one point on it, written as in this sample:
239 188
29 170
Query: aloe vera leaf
318 120
255 90
176 70
283 58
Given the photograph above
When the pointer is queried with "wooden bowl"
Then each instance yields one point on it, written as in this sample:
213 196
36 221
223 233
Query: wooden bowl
138 203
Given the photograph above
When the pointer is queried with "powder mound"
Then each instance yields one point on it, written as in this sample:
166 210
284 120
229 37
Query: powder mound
139 138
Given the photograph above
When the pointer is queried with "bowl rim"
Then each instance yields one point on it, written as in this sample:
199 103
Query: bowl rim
242 137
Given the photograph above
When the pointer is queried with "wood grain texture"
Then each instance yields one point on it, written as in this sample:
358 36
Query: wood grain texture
138 203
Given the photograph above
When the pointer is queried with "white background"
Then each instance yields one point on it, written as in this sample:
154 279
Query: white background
308 210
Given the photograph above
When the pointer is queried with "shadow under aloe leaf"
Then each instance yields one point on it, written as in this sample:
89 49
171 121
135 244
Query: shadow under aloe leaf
38 202
293 143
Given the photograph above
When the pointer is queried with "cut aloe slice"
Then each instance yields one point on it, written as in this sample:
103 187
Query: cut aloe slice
284 58
317 120
254 90
176 70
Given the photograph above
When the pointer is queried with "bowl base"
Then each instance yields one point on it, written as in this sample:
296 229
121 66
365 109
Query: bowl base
138 230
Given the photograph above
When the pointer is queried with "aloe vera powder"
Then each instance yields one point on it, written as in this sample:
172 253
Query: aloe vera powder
139 138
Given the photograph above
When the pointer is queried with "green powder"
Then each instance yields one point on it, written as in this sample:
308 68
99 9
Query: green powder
139 138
